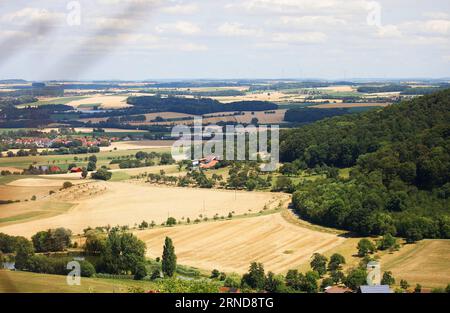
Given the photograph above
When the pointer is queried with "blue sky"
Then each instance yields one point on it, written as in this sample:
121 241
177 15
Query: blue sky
156 39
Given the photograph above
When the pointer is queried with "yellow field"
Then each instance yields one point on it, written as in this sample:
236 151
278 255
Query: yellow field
115 203
231 245
105 102
427 263
138 145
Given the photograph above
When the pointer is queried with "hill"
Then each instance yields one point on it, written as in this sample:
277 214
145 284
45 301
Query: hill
399 183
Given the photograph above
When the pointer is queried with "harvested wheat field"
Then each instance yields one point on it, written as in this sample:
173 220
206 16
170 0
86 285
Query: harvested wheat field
105 102
114 203
21 193
136 145
426 262
231 245
40 182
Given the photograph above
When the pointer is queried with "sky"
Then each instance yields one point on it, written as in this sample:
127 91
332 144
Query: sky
224 39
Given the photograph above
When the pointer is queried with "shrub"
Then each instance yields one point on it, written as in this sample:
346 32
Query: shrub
67 185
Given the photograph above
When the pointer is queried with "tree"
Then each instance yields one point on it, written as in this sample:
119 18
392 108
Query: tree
102 174
283 183
95 243
123 252
87 269
388 279
337 276
166 159
52 240
91 166
275 283
319 263
233 280
255 278
140 271
336 260
365 246
418 288
215 273
327 282
169 259
356 278
387 242
155 274
171 221
404 284
308 283
24 252
84 172
143 225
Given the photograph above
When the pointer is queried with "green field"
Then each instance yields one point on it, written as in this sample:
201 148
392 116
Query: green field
25 282
103 158
62 100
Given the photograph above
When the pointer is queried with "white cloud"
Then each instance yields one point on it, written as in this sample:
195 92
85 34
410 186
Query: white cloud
181 9
311 21
388 31
30 15
438 26
113 23
14 34
192 47
302 6
186 28
436 15
307 37
238 29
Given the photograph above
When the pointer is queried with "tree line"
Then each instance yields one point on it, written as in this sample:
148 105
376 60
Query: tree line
400 177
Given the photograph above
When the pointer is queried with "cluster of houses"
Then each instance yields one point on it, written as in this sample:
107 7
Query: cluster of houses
44 142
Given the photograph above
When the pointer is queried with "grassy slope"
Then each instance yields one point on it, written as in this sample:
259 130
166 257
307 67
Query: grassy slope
35 283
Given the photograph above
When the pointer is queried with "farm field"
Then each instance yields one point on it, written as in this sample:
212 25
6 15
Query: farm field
12 282
116 203
138 145
231 245
426 262
104 158
102 101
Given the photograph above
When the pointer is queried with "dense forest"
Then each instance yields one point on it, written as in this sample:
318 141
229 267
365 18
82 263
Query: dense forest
386 88
400 177
308 115
197 106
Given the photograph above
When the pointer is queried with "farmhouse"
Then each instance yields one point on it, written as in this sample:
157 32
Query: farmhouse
206 163
76 170
55 169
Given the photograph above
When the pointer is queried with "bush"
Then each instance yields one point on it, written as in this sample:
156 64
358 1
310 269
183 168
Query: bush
102 174
87 269
140 271
67 185
356 278
233 280
365 246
